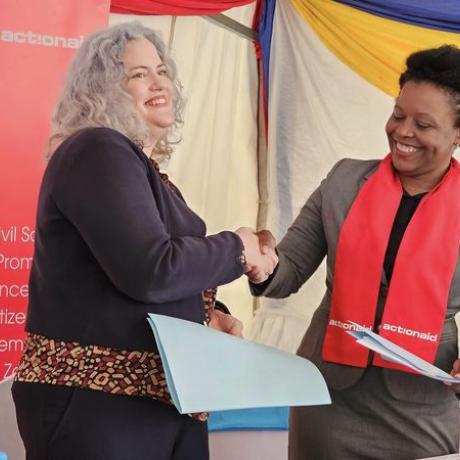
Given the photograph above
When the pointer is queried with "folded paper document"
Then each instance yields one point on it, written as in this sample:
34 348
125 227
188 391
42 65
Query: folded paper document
392 352
443 457
207 370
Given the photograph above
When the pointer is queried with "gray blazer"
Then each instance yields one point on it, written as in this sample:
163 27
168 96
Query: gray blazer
314 235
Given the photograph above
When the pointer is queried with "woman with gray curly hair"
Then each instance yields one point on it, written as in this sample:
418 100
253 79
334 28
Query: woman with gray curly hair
114 242
96 94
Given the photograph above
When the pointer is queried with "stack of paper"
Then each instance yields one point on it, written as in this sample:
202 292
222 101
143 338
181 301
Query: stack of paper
392 352
443 457
208 370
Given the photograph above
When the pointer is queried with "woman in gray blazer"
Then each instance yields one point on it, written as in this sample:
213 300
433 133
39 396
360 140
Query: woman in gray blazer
390 230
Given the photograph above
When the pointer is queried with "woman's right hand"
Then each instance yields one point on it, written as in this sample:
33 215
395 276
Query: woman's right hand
259 250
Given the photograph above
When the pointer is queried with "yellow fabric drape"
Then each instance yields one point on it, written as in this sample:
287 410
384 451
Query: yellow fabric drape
374 47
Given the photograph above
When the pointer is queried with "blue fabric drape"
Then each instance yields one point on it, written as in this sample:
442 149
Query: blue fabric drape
433 14
265 36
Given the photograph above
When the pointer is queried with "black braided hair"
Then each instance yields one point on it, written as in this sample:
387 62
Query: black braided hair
439 66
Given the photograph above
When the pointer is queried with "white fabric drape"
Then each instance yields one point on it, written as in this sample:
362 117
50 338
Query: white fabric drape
215 165
320 111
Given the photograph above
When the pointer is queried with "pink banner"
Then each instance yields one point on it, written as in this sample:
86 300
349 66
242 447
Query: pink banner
37 41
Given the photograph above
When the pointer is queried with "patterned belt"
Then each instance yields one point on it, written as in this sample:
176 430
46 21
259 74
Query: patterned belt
132 373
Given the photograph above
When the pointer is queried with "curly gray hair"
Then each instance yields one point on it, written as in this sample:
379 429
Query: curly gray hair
94 94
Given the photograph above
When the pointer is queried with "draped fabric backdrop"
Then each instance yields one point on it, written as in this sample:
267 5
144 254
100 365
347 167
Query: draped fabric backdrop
174 7
432 14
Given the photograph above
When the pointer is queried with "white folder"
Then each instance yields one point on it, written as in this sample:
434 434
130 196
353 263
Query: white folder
392 352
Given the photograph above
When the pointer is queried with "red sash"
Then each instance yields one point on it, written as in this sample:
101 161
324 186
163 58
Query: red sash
417 298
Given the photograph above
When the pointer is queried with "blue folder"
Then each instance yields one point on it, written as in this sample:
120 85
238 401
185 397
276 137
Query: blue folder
207 370
262 419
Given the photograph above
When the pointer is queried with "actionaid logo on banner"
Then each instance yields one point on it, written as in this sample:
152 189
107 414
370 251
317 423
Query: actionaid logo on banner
31 38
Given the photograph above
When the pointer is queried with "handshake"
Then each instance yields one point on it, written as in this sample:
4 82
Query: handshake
259 250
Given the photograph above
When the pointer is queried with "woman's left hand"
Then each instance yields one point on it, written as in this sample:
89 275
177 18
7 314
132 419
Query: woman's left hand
225 323
455 372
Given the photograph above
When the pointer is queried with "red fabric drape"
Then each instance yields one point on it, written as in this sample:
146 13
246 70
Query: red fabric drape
175 7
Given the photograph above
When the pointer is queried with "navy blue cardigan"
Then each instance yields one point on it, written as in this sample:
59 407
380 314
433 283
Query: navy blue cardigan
114 243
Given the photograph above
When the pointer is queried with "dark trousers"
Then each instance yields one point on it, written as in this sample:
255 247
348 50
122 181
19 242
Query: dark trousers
61 423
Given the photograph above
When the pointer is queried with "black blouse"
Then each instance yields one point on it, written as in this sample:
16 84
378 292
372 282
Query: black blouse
406 210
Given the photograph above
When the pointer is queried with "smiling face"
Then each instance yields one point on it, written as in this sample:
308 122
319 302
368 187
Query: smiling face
150 86
422 135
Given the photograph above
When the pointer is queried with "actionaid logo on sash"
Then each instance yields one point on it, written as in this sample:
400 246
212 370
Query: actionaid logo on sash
37 41
348 326
410 332
31 38
386 327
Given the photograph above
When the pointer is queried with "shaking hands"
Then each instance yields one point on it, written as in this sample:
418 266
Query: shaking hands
259 249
